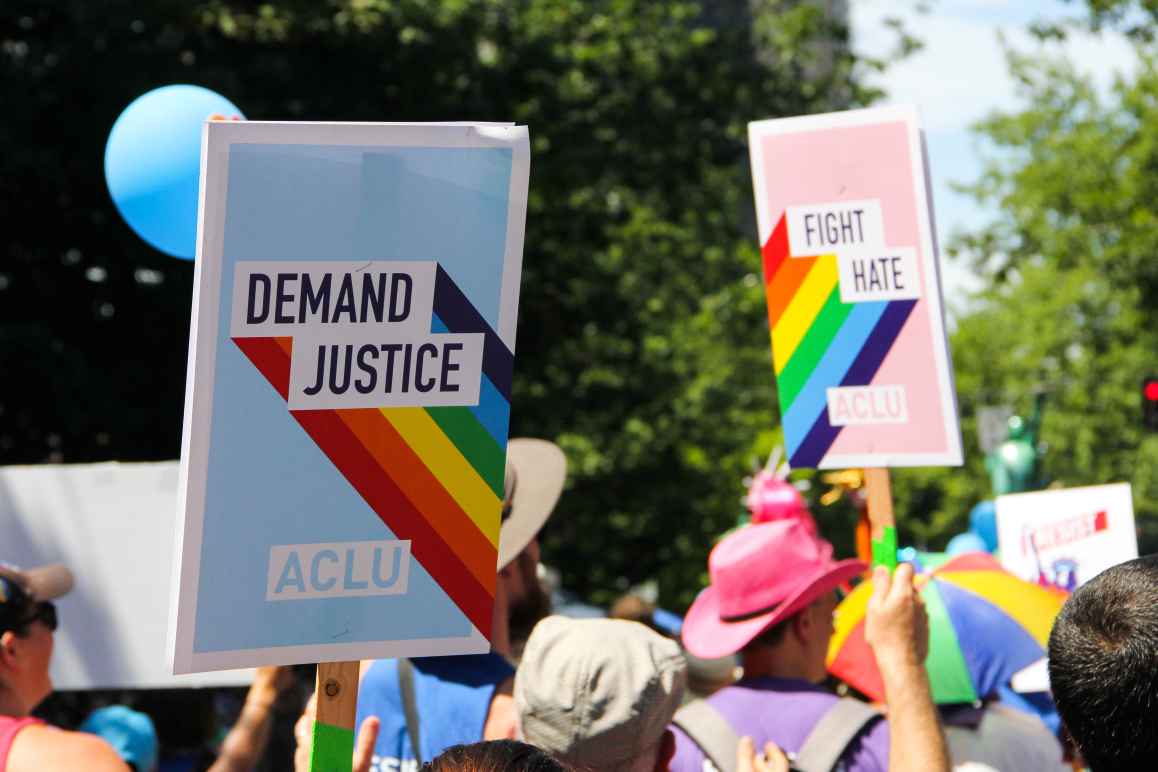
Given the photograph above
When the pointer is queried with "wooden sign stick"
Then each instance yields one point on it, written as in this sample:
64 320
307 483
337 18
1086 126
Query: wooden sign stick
882 524
332 749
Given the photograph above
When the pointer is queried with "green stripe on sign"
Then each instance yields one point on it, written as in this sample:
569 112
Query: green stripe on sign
812 347
332 749
474 442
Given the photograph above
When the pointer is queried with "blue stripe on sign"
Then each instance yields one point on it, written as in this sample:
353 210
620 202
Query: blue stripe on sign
799 419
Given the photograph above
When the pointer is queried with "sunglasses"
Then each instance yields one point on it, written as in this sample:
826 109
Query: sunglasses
45 612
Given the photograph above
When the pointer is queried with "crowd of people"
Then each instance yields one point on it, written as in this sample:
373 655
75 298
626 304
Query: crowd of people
631 695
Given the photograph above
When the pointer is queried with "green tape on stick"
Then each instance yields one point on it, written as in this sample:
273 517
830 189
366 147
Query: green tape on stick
332 748
885 548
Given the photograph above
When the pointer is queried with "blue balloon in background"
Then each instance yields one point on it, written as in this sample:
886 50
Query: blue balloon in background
983 522
965 542
153 164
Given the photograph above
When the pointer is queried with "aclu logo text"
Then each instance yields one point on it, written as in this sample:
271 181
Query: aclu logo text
340 569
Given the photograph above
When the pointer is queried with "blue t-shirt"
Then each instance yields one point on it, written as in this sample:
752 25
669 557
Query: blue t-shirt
453 696
785 712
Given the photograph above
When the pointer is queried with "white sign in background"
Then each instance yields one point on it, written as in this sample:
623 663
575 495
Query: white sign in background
1066 537
112 524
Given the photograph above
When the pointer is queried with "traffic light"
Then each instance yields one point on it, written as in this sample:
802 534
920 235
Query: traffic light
1150 403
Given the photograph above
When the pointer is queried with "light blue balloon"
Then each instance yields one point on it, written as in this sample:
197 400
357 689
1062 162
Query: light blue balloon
153 164
965 542
983 522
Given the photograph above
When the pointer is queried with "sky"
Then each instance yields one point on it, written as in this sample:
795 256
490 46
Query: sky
958 78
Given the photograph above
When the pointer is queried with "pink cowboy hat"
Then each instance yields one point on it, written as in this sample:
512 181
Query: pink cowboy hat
761 575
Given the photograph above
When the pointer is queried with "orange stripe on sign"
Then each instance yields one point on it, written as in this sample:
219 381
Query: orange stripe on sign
411 474
783 286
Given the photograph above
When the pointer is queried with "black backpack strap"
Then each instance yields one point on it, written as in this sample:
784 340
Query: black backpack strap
832 735
410 706
708 729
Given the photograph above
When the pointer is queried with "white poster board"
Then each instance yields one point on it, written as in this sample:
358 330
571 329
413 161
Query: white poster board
112 524
348 393
1064 538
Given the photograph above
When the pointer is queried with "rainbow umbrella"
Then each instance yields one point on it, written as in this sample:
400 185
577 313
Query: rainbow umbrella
985 624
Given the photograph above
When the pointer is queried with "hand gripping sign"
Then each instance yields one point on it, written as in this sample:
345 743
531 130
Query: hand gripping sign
854 304
348 394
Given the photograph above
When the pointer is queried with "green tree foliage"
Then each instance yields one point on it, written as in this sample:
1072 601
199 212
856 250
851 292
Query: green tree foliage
1135 18
1073 291
643 342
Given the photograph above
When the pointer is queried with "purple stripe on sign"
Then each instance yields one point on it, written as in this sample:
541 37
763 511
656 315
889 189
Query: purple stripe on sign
458 315
879 343
822 434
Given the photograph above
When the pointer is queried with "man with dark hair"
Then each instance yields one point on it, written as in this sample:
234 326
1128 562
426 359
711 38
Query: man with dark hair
27 623
1103 666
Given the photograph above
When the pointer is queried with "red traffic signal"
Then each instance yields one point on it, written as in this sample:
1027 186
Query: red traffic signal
1150 403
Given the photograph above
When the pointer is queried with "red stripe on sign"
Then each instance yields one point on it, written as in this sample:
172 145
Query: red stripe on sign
775 249
270 359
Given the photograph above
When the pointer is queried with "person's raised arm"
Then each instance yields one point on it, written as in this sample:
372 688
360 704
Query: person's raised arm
897 629
247 740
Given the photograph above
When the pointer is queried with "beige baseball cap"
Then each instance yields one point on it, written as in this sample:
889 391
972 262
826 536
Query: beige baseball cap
20 591
597 692
39 584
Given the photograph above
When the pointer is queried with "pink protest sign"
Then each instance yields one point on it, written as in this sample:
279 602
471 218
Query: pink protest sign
854 301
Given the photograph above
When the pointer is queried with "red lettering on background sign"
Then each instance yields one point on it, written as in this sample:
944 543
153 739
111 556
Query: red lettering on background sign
1068 531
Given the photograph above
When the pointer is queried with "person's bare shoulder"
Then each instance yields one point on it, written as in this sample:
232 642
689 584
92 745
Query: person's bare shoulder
46 749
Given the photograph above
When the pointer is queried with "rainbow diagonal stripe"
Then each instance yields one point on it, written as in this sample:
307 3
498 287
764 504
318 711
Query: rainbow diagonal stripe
433 475
819 342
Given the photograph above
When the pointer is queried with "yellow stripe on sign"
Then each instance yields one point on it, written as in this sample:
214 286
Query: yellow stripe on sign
848 615
451 468
1032 607
803 310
